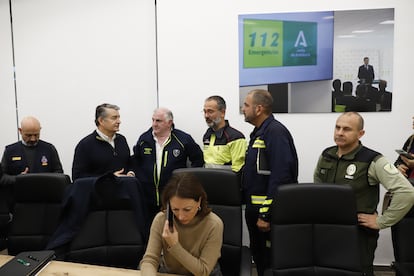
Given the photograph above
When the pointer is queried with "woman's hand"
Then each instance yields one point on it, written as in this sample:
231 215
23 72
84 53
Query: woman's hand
171 238
403 169
408 162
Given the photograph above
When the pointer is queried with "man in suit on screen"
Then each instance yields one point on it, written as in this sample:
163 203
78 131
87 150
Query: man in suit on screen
366 72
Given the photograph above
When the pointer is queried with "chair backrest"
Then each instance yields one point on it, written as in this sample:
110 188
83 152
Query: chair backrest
314 230
224 197
403 244
37 208
110 234
5 197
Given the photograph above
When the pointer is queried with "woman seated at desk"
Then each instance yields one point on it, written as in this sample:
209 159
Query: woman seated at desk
193 245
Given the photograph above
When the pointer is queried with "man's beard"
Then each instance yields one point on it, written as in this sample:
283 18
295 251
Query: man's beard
214 123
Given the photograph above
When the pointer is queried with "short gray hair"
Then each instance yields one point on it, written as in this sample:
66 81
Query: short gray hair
101 111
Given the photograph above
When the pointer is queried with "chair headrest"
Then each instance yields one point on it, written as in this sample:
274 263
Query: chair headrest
314 203
35 187
222 186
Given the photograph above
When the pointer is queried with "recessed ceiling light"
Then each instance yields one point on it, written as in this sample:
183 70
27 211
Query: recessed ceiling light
387 22
362 31
345 36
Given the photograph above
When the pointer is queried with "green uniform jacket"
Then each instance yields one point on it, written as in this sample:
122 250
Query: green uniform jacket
364 169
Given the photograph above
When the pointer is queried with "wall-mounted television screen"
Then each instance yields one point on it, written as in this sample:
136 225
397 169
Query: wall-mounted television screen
285 47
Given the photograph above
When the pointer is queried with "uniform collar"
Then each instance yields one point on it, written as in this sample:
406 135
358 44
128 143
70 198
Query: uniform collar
257 131
219 132
349 156
102 136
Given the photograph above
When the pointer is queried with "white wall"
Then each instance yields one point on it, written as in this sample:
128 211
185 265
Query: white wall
73 55
7 102
198 52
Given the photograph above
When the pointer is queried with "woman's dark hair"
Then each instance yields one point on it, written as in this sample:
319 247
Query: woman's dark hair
186 185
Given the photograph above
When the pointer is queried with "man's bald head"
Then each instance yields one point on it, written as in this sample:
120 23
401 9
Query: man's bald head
30 130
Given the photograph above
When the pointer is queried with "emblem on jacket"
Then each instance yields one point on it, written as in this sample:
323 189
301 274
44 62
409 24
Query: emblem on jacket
176 152
350 171
43 161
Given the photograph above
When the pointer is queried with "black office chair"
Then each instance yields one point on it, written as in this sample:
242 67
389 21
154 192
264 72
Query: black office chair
314 231
5 216
110 234
224 197
403 244
37 208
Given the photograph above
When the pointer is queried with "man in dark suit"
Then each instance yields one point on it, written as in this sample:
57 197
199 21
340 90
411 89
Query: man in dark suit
104 150
366 72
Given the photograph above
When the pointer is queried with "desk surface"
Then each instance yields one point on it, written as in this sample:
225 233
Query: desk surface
59 268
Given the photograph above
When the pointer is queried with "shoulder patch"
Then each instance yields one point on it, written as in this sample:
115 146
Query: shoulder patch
390 168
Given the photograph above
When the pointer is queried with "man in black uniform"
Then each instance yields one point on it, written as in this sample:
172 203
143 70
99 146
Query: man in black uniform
271 160
30 155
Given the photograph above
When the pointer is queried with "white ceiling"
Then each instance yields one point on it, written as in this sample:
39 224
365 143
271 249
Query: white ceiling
351 20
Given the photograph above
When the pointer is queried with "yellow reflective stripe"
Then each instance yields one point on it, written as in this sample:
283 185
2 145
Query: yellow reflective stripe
259 144
258 199
178 140
158 195
264 210
212 139
165 158
156 182
268 202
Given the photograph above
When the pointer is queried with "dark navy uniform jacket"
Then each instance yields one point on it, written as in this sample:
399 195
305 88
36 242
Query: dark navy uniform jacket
178 150
271 160
46 159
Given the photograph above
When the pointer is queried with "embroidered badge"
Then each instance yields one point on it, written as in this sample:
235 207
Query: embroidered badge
391 169
16 158
350 171
176 152
44 161
147 150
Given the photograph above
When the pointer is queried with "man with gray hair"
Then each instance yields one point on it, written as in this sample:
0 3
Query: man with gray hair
104 150
158 152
